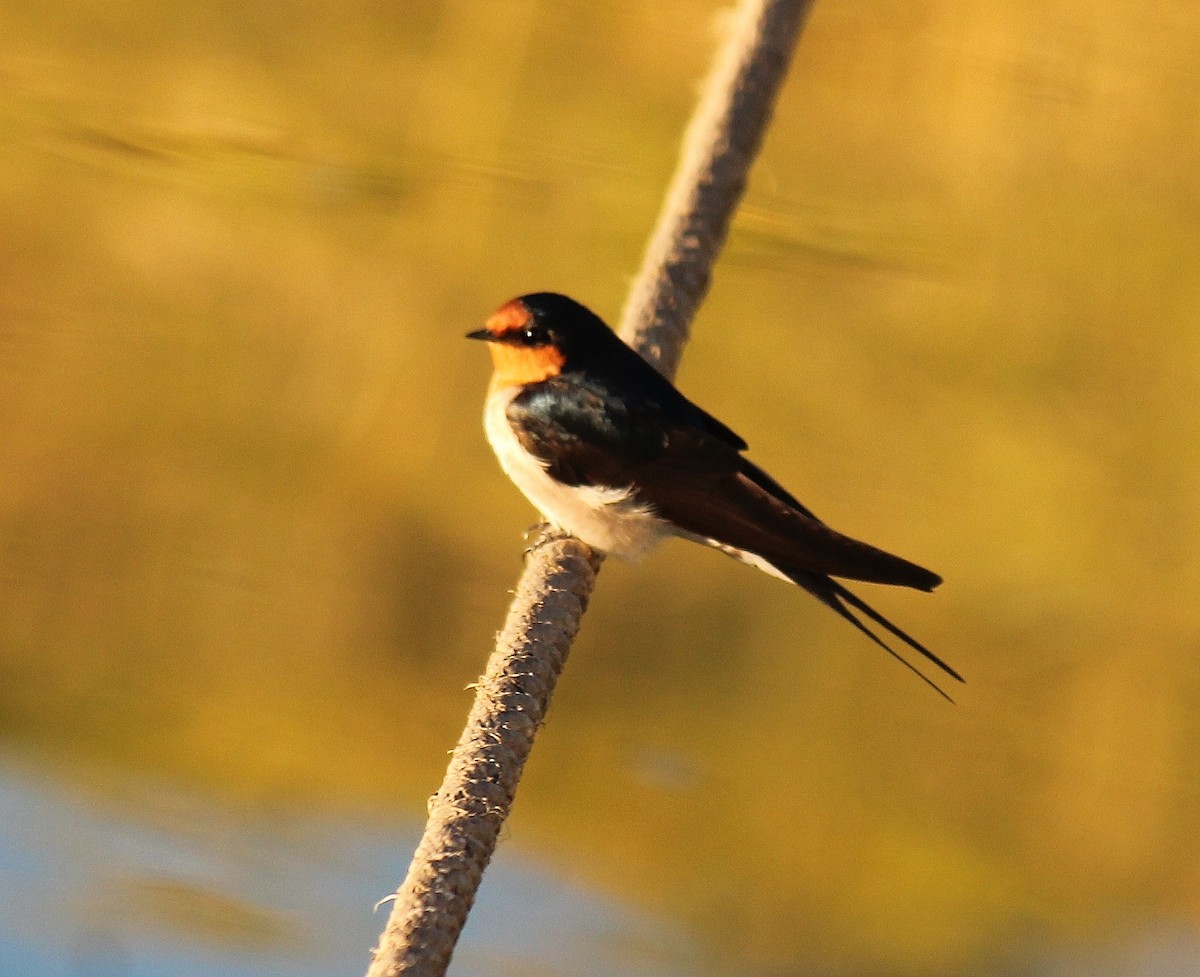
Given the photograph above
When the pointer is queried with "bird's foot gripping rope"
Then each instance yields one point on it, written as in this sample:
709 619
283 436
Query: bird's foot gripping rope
539 535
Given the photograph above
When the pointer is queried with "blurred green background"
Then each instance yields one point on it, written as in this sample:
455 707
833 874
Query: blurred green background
253 544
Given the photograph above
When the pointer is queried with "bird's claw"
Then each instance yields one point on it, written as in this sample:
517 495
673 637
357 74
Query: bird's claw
539 535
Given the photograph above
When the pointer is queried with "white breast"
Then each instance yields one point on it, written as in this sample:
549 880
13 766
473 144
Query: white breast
607 519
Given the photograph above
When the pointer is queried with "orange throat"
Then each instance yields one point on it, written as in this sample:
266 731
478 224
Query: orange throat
516 366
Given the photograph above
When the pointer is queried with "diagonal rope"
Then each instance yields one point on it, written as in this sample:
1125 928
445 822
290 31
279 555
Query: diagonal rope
467 812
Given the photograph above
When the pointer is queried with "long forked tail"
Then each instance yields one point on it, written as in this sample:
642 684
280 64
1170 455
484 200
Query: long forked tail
832 594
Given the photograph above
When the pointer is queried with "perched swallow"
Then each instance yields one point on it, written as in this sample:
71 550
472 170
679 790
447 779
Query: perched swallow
607 449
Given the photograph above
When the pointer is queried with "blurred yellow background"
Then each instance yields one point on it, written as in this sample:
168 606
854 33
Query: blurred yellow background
253 544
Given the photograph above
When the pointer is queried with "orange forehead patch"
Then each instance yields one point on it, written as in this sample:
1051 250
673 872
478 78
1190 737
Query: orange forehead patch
519 365
510 317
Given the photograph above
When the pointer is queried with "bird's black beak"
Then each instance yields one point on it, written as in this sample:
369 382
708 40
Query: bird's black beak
480 334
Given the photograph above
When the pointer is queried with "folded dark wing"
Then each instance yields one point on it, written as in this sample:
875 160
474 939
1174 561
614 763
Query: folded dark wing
608 434
689 467
708 490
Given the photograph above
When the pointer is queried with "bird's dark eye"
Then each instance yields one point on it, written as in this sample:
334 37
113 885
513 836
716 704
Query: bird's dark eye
535 335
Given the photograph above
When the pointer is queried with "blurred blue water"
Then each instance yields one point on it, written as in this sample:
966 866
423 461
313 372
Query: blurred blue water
172 886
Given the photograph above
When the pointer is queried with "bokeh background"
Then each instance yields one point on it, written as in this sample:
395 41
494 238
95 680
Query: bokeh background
253 545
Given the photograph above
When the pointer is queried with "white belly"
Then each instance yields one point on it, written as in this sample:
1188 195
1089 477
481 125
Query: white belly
604 518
